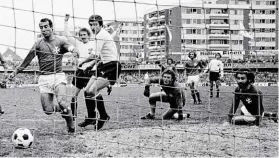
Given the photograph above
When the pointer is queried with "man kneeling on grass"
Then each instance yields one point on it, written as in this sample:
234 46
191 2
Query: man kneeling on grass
252 110
172 92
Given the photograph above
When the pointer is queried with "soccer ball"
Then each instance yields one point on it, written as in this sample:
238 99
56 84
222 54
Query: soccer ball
22 138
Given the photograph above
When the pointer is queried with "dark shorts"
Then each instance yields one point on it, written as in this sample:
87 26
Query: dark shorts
110 71
81 79
214 76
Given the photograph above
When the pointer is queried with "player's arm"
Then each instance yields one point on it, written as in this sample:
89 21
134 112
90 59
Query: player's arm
180 97
67 33
234 106
26 61
148 81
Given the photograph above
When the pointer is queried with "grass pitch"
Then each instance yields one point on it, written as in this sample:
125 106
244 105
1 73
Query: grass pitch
126 135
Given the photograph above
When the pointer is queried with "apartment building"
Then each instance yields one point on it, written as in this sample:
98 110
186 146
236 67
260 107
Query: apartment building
210 27
131 41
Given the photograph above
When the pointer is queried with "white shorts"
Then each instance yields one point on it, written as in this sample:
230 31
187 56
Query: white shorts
47 83
194 79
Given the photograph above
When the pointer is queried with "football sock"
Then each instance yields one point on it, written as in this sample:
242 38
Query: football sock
101 107
74 106
90 105
198 95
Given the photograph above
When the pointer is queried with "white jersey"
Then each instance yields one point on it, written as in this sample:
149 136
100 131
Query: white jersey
215 66
84 49
105 46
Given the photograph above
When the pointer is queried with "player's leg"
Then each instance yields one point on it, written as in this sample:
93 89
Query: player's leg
78 82
95 99
102 111
74 102
61 96
192 88
211 88
153 98
48 105
196 83
217 82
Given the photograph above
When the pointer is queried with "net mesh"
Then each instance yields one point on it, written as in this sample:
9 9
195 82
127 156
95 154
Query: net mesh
146 33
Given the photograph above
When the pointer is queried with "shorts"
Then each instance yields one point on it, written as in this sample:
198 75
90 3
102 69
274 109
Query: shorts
47 83
194 79
214 76
110 71
81 79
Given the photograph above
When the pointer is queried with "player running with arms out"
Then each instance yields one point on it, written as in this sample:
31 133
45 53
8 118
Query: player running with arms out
52 80
216 73
173 93
193 69
3 84
107 72
252 110
85 48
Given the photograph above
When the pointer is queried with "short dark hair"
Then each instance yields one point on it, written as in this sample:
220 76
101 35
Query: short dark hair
195 55
47 20
170 60
98 18
249 74
85 30
172 73
218 54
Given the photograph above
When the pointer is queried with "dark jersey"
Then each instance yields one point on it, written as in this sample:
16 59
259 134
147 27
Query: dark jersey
251 98
50 54
174 92
193 67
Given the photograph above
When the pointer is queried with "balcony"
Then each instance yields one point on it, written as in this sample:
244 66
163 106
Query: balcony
219 16
219 26
219 46
219 36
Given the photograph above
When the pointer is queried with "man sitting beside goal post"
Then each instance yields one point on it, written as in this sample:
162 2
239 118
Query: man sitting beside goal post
252 110
172 93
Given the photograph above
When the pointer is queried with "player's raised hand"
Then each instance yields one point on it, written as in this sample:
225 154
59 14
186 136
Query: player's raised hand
67 17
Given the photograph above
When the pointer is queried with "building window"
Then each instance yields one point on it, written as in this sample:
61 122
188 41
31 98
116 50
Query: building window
258 2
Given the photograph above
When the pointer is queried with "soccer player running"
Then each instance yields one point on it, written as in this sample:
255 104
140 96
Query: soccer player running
107 72
252 110
52 80
193 69
3 84
172 93
216 73
85 48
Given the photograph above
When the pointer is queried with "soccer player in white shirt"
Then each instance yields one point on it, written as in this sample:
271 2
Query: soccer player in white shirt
107 72
83 72
216 73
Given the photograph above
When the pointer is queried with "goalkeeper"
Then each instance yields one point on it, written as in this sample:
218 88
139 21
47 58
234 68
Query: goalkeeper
172 93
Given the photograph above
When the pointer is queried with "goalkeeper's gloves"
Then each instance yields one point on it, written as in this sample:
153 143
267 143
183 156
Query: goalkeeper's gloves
146 91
